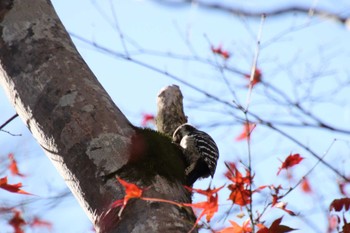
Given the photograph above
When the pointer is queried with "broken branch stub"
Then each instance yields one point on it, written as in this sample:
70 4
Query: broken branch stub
170 112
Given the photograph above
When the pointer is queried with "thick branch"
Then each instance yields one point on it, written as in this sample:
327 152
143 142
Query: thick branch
66 109
81 130
170 113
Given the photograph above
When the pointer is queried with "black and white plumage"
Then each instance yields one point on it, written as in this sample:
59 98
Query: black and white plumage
200 150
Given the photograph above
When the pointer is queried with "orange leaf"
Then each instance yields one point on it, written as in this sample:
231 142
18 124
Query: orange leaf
239 196
17 222
240 190
13 166
235 228
236 176
248 129
208 192
262 228
37 222
14 188
290 161
305 186
210 207
131 191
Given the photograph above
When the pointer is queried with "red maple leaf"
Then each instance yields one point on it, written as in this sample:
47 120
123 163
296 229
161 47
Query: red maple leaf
13 166
339 204
276 228
346 226
14 188
210 207
131 191
262 228
147 118
240 187
17 222
256 77
275 195
239 196
247 131
290 161
236 176
223 53
208 192
37 222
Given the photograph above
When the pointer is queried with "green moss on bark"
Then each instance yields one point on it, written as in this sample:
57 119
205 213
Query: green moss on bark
152 153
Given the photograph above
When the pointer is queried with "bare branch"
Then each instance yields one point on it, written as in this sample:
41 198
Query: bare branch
272 12
170 113
8 121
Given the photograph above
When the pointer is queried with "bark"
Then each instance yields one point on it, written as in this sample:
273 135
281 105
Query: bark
170 113
81 130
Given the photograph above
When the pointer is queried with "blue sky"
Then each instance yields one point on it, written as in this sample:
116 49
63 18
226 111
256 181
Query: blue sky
293 48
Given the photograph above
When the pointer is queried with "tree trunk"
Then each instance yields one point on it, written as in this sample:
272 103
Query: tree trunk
81 130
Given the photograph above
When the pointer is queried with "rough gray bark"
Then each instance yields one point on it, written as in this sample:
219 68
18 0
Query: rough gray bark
79 127
170 113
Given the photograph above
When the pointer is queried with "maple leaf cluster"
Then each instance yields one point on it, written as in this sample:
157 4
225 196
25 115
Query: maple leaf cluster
241 191
13 168
132 191
17 221
240 187
290 161
14 188
338 209
210 206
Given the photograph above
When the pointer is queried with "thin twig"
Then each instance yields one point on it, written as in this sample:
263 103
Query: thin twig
248 12
222 71
255 61
8 121
116 24
310 151
313 167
